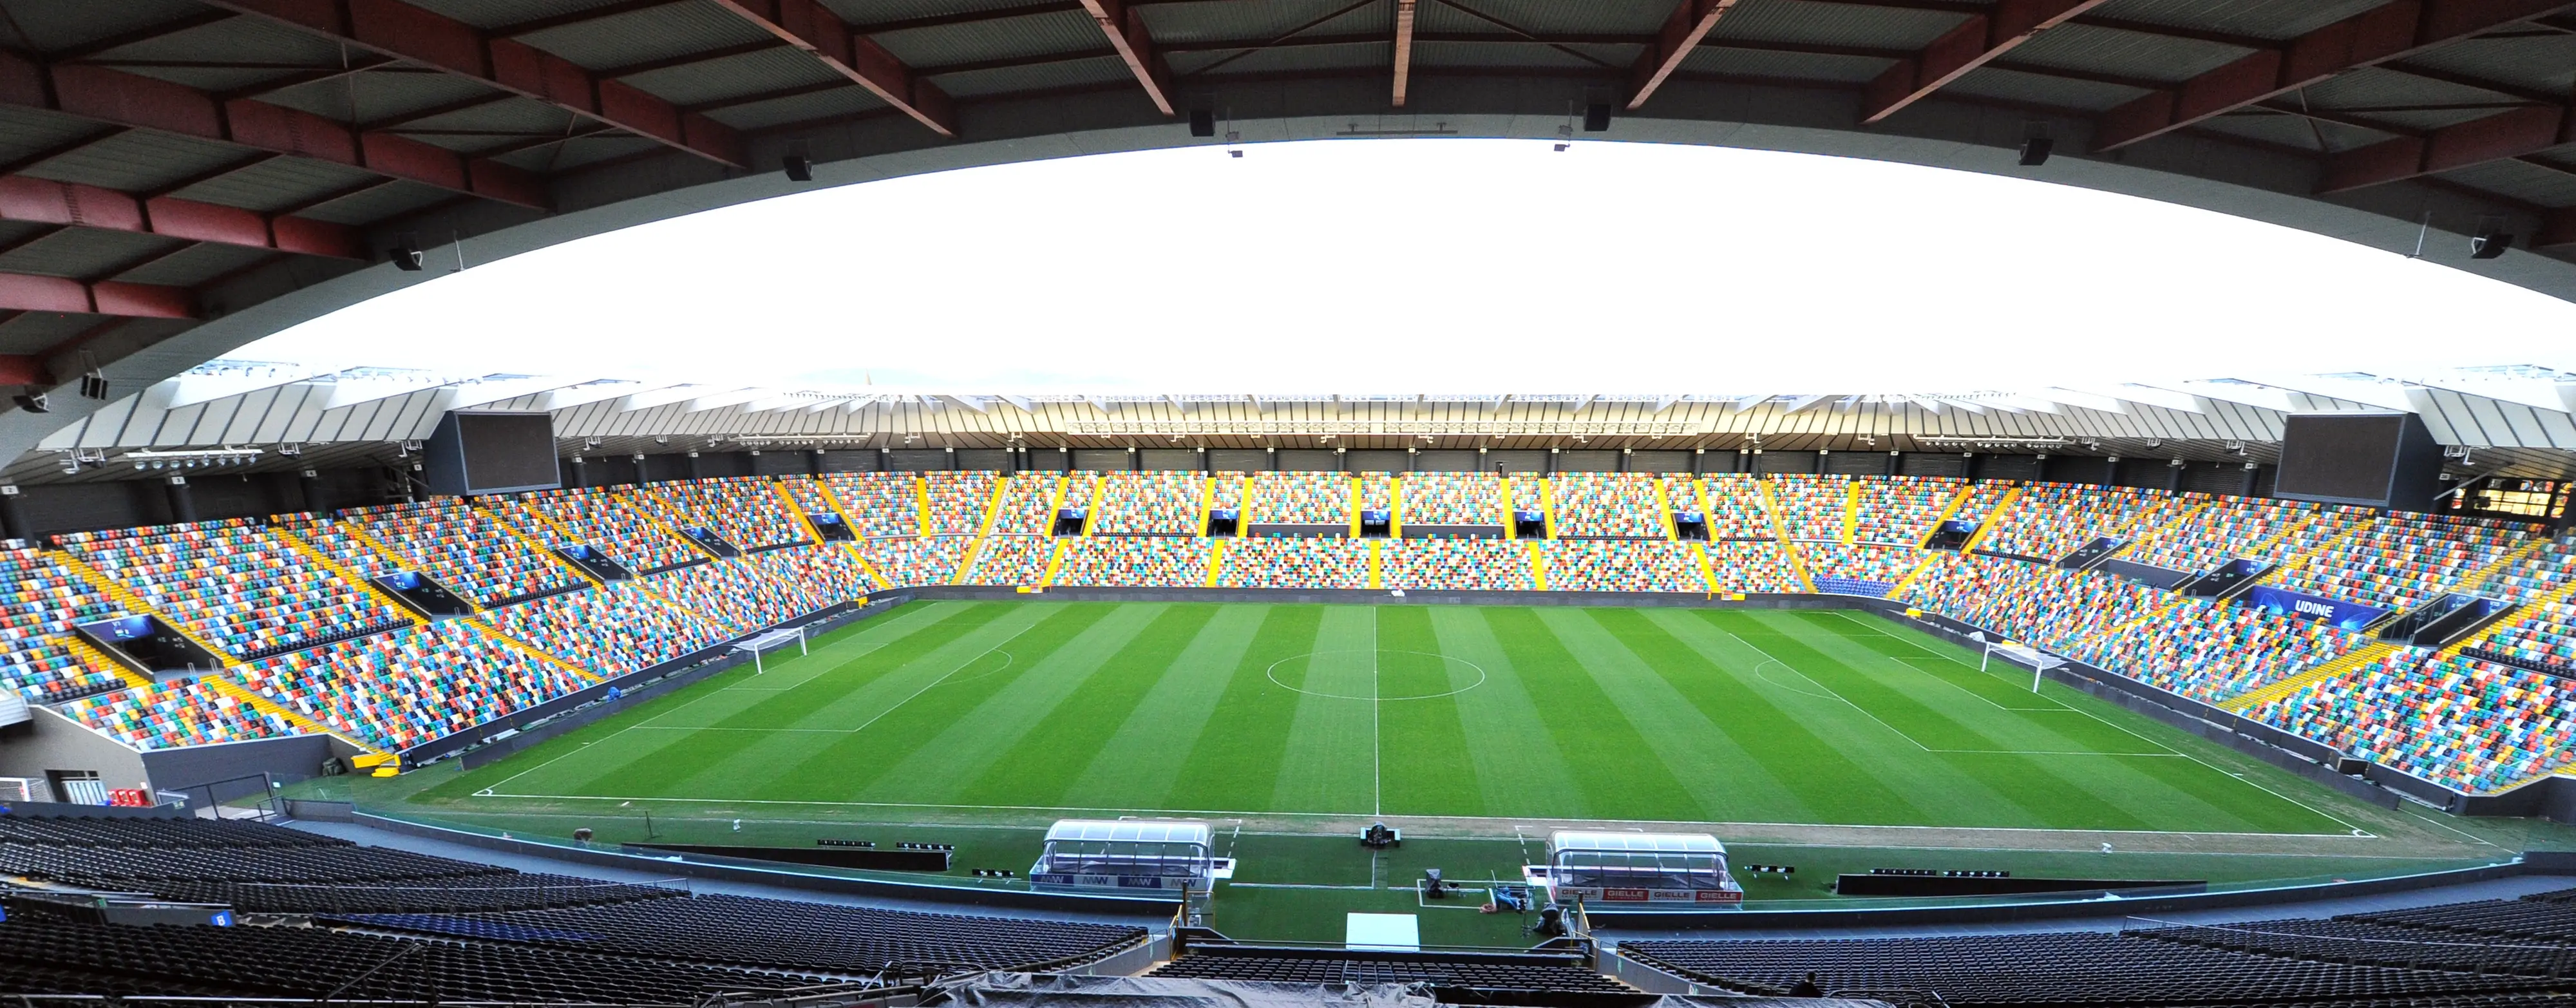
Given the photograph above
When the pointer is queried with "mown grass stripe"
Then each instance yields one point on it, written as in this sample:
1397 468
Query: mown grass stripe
1331 762
1235 762
1519 768
1602 747
1722 774
1141 762
1423 743
1034 768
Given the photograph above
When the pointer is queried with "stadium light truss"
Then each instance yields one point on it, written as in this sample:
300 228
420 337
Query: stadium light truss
1327 427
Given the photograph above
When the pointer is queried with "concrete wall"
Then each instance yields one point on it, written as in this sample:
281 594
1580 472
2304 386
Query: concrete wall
51 741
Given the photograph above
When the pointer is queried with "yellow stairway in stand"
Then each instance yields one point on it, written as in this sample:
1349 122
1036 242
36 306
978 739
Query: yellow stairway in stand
2538 603
789 498
1511 522
1373 581
1354 514
1664 506
966 565
1993 515
358 530
921 504
833 500
1547 504
1538 567
2340 664
1851 512
1919 567
98 659
1780 533
384 763
494 631
132 603
1707 567
865 564
540 546
1216 562
1055 561
1091 511
1957 501
315 554
1207 504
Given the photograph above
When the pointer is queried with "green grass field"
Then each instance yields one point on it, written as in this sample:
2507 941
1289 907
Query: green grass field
1833 740
1687 715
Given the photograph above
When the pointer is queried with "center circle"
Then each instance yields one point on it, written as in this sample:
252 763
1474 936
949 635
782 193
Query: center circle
1376 677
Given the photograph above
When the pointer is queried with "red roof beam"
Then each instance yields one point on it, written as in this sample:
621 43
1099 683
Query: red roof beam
2393 31
45 201
400 30
26 292
2526 130
810 26
1125 27
1403 48
124 99
1681 33
1977 41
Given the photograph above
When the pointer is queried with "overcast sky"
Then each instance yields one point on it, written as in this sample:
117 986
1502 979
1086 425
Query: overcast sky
1443 266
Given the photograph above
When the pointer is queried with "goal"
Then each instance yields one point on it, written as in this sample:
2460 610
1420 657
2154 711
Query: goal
2018 656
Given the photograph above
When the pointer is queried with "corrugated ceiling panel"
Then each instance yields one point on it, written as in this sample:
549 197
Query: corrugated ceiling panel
871 12
2545 64
1203 22
653 34
376 204
2034 89
751 73
383 95
139 160
195 264
1545 17
1070 31
2125 53
1752 63
1499 54
85 253
1099 70
51 27
2272 19
851 100
1836 24
2529 183
277 183
1290 60
494 13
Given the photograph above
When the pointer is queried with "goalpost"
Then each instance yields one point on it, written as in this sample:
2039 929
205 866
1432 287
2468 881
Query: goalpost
773 639
2018 655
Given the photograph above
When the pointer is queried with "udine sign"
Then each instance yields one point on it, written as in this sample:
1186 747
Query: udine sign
2346 615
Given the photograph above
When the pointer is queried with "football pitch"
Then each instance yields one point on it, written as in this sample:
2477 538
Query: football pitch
1440 712
1829 740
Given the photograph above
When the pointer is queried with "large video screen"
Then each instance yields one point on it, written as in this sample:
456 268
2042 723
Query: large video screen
508 451
2340 458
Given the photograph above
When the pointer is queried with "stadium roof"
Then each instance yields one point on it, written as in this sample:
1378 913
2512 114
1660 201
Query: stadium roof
179 177
2505 420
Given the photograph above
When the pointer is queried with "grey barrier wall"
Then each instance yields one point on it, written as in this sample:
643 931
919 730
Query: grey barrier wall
739 871
288 759
51 741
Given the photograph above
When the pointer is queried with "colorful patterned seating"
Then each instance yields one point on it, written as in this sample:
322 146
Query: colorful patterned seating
1624 565
2404 560
1028 504
609 631
411 686
738 597
1811 507
2211 651
1452 499
465 548
831 571
1455 564
906 563
180 712
2051 520
1134 561
1858 570
612 519
39 602
1019 560
235 585
1902 510
744 510
1301 498
2051 607
1150 503
1735 509
1294 562
2462 723
1750 567
1614 505
958 500
878 504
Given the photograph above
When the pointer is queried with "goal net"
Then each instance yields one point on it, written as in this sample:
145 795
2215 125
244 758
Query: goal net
2017 656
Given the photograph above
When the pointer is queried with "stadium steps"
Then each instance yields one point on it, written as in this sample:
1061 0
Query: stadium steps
1353 512
1707 567
1797 561
125 596
1055 559
2281 571
1216 563
495 632
878 576
921 505
653 513
324 560
1090 513
1957 501
1664 507
1993 515
97 659
358 530
539 545
1851 512
2478 579
1920 566
1538 566
1547 504
1511 517
2537 604
1207 504
833 501
2340 664
260 702
1374 567
789 498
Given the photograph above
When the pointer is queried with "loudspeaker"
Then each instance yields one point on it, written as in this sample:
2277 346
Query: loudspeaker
405 257
93 386
1202 122
2489 244
799 168
2034 151
1596 117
